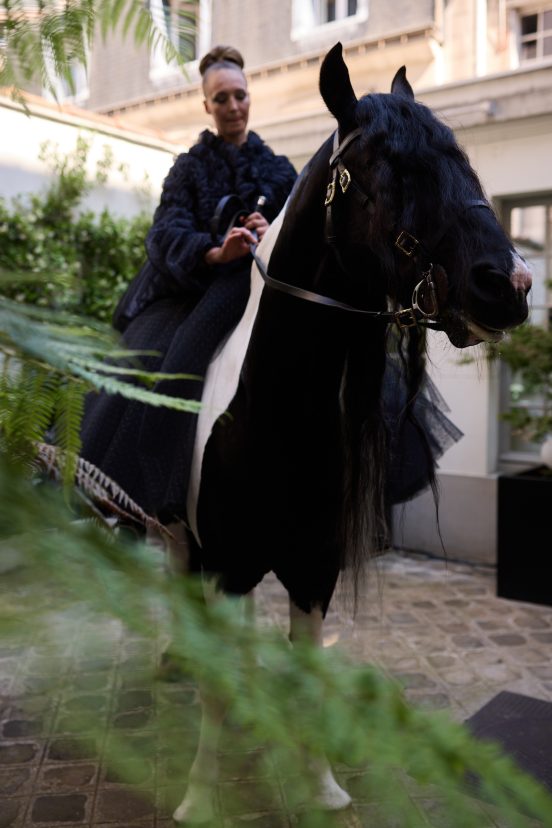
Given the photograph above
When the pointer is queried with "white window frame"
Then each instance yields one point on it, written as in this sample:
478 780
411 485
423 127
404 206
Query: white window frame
524 8
160 69
63 93
540 314
306 18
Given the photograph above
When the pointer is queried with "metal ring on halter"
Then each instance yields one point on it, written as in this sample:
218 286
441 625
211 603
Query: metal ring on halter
428 281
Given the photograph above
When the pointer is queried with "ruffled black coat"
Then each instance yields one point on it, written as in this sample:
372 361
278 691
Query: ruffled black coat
182 308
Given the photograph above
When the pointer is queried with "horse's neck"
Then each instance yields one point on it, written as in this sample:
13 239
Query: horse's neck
300 248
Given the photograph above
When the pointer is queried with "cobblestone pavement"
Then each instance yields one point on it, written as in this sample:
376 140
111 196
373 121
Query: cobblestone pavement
437 628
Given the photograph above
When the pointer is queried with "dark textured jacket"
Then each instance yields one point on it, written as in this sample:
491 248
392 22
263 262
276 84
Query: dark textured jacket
182 309
181 232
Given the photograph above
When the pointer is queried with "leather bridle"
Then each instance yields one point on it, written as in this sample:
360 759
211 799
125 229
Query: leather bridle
405 242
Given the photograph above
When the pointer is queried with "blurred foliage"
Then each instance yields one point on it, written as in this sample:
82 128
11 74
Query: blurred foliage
45 40
48 362
65 257
527 351
81 590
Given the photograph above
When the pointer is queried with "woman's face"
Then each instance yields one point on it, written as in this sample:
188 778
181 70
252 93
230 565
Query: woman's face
227 100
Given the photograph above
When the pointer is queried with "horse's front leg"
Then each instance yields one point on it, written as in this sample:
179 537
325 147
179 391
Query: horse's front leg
198 804
327 794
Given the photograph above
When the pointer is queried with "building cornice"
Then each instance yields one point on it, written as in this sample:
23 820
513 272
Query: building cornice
292 63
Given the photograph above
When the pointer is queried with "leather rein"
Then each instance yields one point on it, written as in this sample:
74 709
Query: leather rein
408 245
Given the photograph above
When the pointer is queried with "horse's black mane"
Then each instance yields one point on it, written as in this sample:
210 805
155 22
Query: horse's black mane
422 176
419 179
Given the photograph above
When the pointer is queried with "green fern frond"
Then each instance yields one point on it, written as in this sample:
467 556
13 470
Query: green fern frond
133 392
68 416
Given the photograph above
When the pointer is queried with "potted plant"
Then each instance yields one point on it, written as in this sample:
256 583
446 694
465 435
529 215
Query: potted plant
528 353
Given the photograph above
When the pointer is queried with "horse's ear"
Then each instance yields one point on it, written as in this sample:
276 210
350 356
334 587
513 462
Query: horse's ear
400 85
336 88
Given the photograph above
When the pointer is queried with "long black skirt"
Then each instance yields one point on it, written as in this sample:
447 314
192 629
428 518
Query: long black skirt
148 449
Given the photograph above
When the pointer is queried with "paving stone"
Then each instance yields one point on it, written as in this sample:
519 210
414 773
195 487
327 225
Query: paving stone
141 823
132 772
245 765
14 781
122 804
373 816
401 618
429 701
509 640
441 660
467 642
263 820
135 720
133 699
17 754
11 811
67 749
67 777
86 701
457 628
59 808
91 681
24 728
543 671
249 797
414 680
545 637
458 677
531 621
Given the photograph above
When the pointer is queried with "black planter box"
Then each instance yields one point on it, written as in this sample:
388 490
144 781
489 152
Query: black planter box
524 532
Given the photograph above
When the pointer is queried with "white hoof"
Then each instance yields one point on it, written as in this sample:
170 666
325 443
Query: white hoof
197 806
328 795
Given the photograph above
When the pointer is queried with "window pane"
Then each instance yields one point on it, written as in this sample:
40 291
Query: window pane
547 46
351 7
531 232
529 50
547 20
529 24
330 10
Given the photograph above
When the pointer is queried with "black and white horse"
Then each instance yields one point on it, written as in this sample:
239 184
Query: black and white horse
387 230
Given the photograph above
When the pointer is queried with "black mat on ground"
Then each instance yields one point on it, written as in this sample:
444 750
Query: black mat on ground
523 727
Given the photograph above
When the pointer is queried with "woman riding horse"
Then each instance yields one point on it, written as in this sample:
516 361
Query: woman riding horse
387 229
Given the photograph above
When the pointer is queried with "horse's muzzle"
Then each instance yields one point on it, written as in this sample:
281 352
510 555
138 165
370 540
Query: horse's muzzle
497 300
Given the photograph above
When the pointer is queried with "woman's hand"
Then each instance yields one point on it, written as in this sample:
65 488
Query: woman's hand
257 223
236 244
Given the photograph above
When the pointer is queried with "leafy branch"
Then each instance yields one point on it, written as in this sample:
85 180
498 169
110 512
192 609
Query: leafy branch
45 39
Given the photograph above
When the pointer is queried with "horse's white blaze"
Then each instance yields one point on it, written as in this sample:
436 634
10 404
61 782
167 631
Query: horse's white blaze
223 373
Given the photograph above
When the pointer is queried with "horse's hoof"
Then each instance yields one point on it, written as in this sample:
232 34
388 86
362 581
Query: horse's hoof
327 794
332 798
196 808
172 668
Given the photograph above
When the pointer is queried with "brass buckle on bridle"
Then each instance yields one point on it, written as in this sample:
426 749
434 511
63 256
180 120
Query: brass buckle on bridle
330 193
407 243
406 318
344 180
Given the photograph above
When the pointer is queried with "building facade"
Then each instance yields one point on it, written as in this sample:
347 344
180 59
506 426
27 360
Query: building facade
484 66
